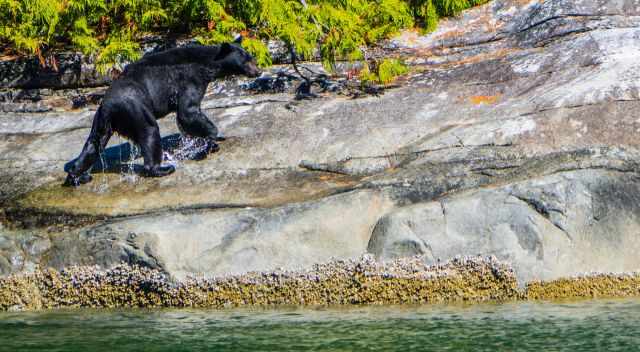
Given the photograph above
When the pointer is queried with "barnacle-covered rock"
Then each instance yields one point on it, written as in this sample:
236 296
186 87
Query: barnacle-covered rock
514 135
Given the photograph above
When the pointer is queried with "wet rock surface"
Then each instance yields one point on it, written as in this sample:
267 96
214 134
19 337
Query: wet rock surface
515 135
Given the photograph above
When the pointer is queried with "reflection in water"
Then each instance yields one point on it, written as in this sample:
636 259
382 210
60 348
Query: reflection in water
577 326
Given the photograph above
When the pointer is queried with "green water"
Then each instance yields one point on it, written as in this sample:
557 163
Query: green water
612 325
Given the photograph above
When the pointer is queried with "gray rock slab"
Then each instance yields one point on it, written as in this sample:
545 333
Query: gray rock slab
556 226
231 240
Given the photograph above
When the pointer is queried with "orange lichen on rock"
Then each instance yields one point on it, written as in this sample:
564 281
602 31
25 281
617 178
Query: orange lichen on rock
484 99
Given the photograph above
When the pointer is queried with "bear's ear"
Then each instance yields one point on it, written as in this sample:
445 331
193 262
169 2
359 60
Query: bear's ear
225 49
238 39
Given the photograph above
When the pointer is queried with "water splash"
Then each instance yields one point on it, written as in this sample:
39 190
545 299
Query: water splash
188 148
103 185
128 173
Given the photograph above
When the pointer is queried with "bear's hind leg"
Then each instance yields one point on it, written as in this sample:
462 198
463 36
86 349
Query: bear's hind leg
98 138
151 149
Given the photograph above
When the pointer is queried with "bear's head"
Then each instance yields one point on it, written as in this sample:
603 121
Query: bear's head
234 60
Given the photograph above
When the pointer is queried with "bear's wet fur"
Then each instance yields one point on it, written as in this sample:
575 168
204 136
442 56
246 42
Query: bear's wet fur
174 80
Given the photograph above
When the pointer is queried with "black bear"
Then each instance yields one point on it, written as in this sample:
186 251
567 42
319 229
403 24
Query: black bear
174 80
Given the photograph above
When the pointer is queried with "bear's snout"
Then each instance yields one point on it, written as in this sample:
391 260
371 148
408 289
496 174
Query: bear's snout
252 70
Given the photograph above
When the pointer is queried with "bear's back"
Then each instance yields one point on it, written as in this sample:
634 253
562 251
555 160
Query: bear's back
198 55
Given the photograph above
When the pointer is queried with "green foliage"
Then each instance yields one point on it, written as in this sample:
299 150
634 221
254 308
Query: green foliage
430 11
429 14
220 26
29 24
386 18
258 50
82 37
106 28
110 29
120 48
384 72
389 69
287 20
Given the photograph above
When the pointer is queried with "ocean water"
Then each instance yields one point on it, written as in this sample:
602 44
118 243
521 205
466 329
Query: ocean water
590 325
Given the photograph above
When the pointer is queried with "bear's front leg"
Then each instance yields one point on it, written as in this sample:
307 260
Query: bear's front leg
192 122
151 149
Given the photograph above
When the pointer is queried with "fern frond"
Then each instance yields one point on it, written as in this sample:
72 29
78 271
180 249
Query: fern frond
119 50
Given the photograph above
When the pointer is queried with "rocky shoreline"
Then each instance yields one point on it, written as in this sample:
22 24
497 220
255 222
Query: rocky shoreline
514 136
357 281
